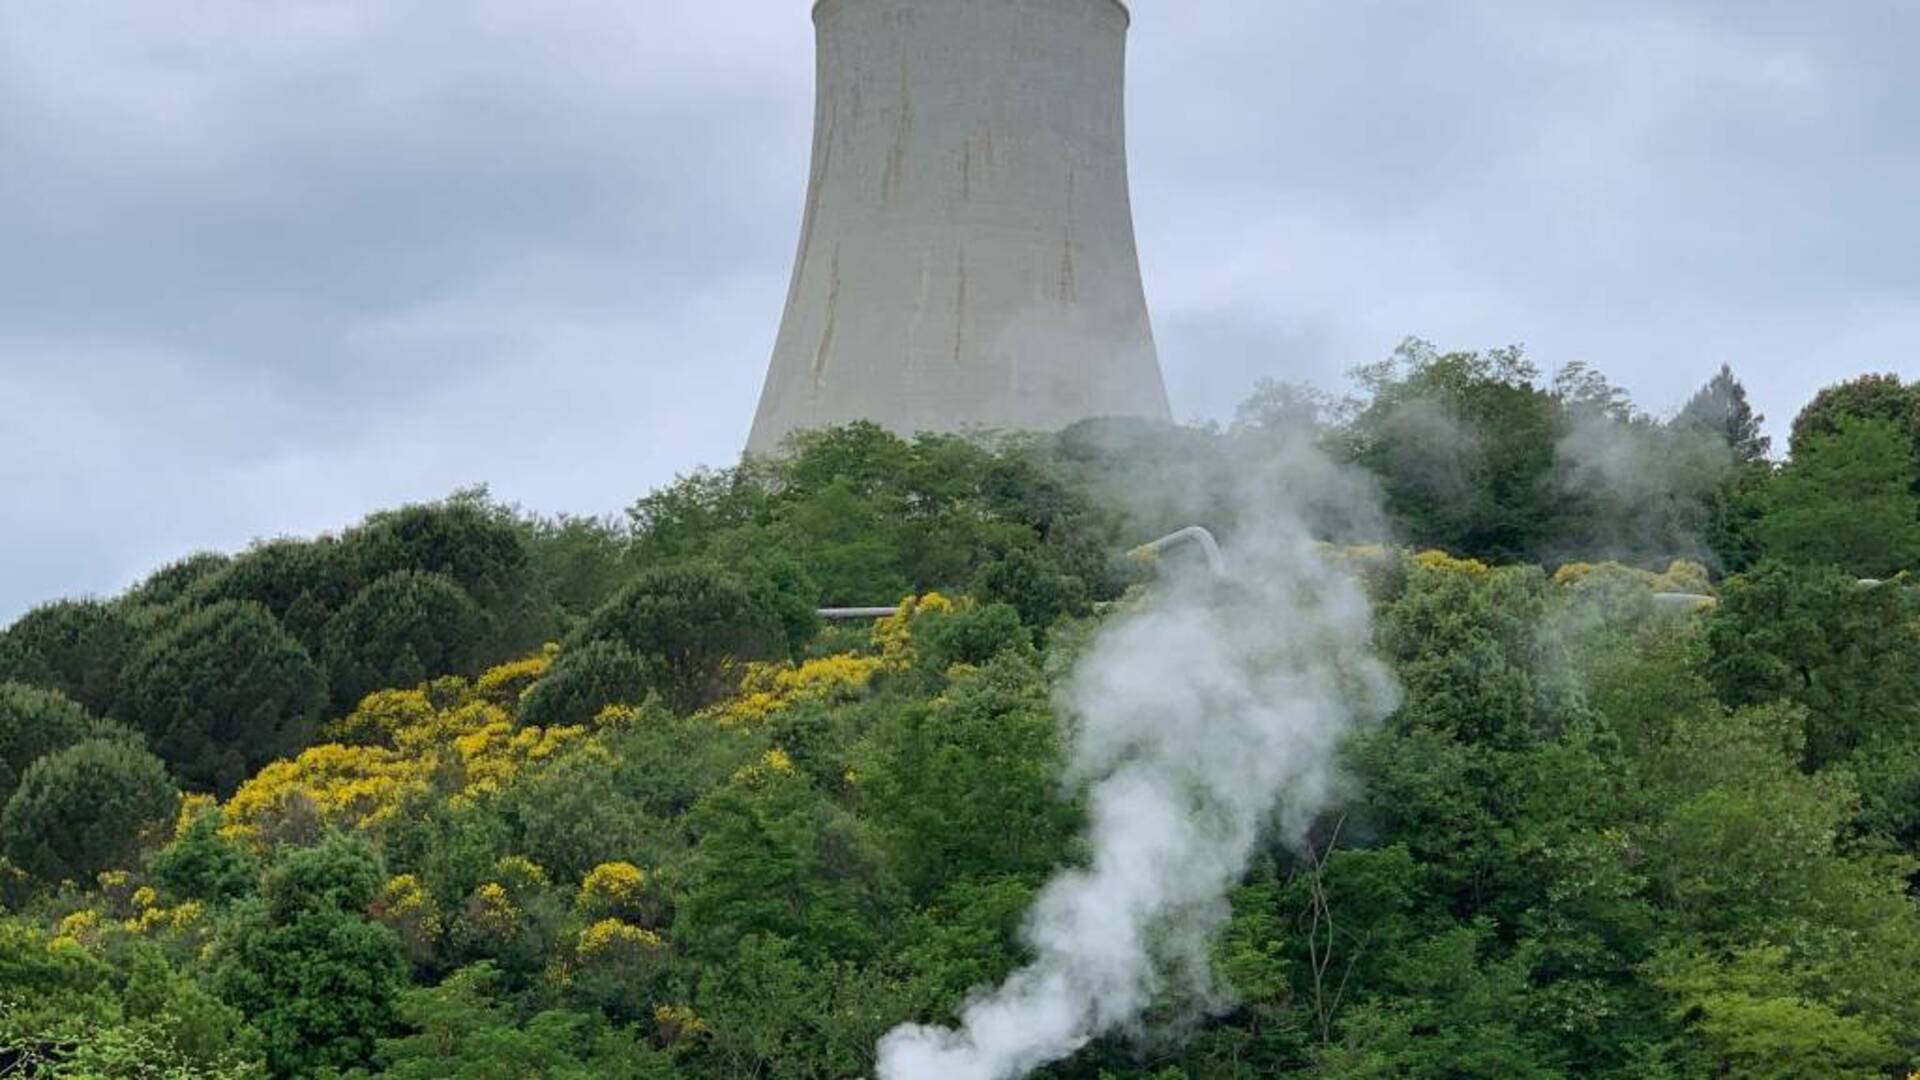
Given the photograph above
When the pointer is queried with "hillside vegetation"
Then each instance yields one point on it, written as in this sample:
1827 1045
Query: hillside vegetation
467 792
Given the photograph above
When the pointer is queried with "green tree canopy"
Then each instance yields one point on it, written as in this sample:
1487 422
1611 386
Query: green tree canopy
585 680
1869 397
1847 499
85 809
222 692
1721 408
404 629
74 646
35 723
318 979
691 627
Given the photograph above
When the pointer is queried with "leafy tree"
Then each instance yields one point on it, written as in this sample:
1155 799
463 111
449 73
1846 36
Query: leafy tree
968 786
75 646
1038 590
1847 499
318 979
578 561
1753 1020
1737 515
1721 408
585 680
690 626
773 857
221 693
178 581
681 521
1849 655
202 865
775 1011
1457 1011
1464 446
300 583
85 809
35 723
574 815
464 1030
1870 397
972 635
67 1013
402 630
477 546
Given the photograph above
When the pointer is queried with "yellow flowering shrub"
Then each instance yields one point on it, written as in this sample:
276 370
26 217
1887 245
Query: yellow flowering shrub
405 906
192 808
1686 576
770 689
674 1025
187 919
520 874
610 886
615 716
346 786
429 711
774 763
435 741
451 724
380 716
145 897
495 754
490 912
893 635
1681 576
81 926
612 940
1572 573
1444 563
189 915
504 685
1359 559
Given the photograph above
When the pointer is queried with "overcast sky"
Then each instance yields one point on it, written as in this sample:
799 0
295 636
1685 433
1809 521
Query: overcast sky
267 266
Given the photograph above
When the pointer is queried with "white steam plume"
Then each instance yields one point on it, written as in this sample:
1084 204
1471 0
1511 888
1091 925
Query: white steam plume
1207 715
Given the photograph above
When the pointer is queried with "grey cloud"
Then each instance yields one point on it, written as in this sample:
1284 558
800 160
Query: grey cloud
270 266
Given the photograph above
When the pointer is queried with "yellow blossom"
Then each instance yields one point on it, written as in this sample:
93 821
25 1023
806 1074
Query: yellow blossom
491 911
893 635
505 684
1445 563
145 897
611 938
677 1023
616 716
192 807
769 689
81 926
775 762
612 885
381 715
1686 576
348 786
1572 573
403 904
519 873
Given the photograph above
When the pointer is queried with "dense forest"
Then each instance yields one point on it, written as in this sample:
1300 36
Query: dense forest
464 791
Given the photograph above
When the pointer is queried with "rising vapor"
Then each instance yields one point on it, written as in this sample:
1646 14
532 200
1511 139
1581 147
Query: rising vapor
1204 716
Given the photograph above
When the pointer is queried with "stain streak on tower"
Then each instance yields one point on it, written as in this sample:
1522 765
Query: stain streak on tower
967 258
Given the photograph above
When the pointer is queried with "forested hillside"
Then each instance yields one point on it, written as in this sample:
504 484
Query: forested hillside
468 792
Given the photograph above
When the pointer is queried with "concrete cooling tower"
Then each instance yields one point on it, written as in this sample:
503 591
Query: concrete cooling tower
967 259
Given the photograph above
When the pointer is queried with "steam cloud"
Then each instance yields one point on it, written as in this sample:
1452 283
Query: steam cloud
1202 718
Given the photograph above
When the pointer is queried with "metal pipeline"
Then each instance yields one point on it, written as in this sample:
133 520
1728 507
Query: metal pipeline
1193 534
